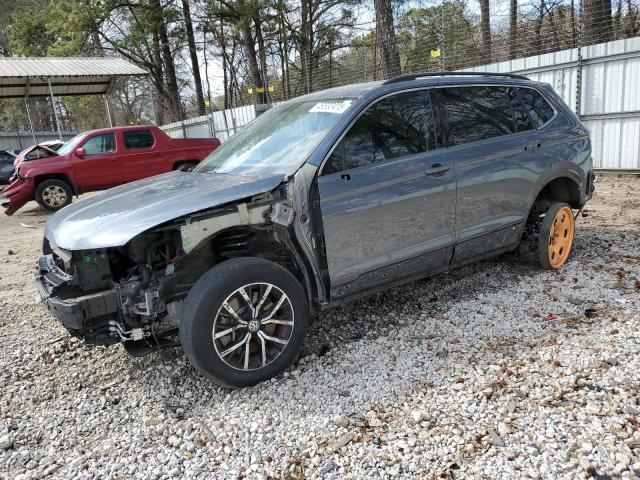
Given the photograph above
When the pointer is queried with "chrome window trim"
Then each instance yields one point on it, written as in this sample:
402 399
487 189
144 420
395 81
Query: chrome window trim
453 85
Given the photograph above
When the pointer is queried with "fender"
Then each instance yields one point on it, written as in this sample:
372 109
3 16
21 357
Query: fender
66 176
567 170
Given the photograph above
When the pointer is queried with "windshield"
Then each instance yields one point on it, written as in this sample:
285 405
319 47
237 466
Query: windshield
279 140
70 145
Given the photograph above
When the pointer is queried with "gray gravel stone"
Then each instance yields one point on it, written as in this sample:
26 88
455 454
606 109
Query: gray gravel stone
515 396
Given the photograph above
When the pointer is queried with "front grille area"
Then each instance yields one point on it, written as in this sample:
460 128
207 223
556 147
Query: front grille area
51 272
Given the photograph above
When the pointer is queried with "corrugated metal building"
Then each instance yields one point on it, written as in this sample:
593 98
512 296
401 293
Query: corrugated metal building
609 95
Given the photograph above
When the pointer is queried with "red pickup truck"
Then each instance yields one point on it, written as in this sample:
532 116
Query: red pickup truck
97 160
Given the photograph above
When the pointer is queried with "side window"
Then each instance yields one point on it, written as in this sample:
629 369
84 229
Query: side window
100 144
538 108
138 139
394 127
520 117
474 113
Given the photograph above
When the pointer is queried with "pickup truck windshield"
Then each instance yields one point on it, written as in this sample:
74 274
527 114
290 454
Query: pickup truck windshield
279 140
71 144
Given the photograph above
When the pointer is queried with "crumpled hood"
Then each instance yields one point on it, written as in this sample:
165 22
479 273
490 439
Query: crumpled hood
21 158
113 217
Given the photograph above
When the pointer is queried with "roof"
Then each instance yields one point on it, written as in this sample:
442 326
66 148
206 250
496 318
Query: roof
21 77
351 90
404 82
126 128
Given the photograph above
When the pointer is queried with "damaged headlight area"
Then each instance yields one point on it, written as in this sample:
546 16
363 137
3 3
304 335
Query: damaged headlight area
113 295
133 294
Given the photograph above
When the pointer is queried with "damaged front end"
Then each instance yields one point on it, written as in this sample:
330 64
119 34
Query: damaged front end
106 296
134 293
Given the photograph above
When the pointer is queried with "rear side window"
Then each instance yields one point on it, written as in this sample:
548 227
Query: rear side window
138 139
538 108
394 127
520 117
474 113
100 144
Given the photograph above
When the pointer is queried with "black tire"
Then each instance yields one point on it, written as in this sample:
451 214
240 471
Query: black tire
204 305
554 250
53 194
186 166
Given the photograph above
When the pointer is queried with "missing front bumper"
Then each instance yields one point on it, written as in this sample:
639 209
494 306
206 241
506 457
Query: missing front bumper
86 316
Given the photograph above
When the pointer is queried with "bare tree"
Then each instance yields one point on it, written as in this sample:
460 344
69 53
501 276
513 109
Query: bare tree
193 53
513 28
597 21
485 29
387 38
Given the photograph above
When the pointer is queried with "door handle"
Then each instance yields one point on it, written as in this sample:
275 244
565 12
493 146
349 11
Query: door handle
437 168
346 177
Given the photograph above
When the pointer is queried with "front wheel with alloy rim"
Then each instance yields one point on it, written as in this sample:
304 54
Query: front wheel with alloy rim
53 194
244 321
556 236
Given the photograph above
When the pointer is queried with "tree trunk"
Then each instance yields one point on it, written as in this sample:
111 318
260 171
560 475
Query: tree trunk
193 53
306 46
597 22
262 53
485 30
250 53
631 24
158 79
537 39
169 65
387 39
513 29
574 30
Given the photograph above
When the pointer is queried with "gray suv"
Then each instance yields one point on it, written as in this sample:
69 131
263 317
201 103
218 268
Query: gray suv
322 199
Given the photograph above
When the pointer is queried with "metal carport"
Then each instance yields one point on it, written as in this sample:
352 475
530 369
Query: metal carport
62 76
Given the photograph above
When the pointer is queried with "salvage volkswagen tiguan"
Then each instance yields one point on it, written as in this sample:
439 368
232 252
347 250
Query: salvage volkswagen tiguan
322 199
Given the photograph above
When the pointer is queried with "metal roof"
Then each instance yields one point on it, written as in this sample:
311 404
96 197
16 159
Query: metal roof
22 77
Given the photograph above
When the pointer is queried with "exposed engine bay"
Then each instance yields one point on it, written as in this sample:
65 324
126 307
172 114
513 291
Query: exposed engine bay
134 293
114 295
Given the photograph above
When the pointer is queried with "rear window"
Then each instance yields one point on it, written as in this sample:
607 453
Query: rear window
538 108
475 113
138 139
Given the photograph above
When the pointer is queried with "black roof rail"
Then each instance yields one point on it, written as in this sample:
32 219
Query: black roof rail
413 76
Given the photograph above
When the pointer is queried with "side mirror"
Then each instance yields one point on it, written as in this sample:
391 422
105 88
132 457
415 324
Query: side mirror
80 153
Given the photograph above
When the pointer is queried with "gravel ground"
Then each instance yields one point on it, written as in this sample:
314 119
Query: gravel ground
496 370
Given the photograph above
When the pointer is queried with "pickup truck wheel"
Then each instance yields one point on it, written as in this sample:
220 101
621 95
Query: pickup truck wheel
186 166
556 236
244 321
53 194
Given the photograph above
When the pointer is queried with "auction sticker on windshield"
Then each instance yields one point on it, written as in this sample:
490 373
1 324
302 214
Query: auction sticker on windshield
338 106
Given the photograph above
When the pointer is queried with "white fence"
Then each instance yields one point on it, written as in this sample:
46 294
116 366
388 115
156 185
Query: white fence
609 94
221 124
21 140
609 99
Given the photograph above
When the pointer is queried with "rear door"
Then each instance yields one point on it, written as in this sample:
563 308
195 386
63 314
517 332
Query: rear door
385 201
489 136
141 156
100 167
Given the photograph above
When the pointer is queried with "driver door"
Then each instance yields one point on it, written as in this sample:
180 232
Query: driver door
387 197
100 167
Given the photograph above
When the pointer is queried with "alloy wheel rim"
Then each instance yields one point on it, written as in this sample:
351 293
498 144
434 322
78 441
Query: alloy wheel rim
54 196
561 237
253 326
